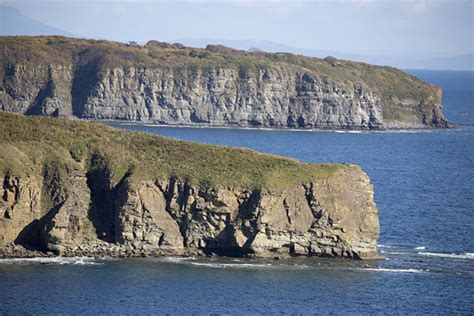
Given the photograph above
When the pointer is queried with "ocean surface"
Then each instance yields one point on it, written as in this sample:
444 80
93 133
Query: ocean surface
424 190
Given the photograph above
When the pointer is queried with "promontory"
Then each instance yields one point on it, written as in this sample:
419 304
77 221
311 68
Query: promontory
219 86
72 188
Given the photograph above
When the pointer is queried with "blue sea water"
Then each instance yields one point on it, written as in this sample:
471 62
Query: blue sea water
424 190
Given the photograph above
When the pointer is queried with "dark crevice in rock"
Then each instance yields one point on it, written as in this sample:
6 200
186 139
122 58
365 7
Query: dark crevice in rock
102 211
86 77
287 211
10 186
248 211
161 240
179 216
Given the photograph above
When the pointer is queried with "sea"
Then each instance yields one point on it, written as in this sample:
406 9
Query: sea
424 190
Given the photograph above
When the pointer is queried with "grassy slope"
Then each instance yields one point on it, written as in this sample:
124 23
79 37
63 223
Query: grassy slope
389 81
28 143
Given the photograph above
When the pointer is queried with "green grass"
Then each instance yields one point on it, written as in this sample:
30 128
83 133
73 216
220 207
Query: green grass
31 143
389 81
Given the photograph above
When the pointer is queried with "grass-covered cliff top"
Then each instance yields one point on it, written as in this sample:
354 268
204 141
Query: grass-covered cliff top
30 143
391 82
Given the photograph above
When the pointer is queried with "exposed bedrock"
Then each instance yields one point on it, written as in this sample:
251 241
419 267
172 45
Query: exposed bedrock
170 84
79 212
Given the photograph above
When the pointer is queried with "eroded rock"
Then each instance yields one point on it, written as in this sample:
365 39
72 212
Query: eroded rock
333 217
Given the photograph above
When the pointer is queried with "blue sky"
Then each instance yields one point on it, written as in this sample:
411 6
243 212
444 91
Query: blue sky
420 27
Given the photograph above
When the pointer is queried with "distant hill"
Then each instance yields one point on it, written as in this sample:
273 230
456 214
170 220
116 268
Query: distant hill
13 22
460 62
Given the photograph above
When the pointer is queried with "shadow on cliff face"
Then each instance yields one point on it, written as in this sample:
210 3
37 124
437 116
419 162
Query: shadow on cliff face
33 235
85 78
101 212
39 106
224 244
103 194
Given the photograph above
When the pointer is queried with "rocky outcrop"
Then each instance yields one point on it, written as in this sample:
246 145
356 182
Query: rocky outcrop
172 84
79 188
336 217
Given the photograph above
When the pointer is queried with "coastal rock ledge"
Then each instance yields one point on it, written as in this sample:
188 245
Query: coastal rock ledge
76 188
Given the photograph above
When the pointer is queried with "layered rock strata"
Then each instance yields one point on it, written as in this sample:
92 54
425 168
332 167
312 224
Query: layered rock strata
334 217
172 84
77 188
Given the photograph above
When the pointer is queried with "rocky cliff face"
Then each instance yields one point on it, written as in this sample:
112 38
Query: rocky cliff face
170 84
272 97
66 190
70 215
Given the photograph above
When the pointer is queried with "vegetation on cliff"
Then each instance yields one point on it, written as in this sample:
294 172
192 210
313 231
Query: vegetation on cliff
59 49
30 143
404 100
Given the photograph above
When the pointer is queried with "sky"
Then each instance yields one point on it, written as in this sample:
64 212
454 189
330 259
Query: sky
416 27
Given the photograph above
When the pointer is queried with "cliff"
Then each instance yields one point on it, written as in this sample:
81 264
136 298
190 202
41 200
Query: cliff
172 84
80 188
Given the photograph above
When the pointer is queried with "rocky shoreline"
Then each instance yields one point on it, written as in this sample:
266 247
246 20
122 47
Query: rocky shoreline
99 250
393 126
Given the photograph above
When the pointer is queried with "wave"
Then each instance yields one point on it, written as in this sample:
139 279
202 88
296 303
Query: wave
57 260
407 131
420 248
177 259
350 132
386 246
465 255
394 270
233 265
394 252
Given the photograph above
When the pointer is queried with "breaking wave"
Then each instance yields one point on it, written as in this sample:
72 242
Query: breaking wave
57 260
465 255
394 270
233 265
385 246
177 259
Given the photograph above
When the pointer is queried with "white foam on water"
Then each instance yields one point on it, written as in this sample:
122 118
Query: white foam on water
466 255
394 252
385 246
349 132
406 131
233 265
394 270
420 248
56 260
178 259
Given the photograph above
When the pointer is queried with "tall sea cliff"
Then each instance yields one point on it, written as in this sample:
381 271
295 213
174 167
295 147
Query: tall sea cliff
173 84
79 188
